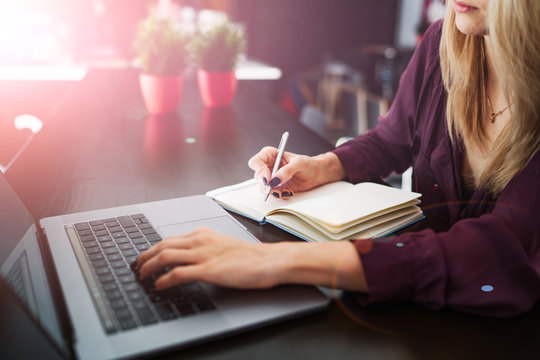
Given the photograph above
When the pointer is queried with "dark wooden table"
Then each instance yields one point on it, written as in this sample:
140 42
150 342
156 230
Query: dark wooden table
98 148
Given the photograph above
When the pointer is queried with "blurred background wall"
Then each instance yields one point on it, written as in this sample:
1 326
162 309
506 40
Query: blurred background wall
360 45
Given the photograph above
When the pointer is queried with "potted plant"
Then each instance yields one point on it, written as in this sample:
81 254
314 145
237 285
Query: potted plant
162 54
216 52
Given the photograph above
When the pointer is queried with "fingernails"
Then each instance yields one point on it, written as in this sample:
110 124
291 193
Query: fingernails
265 181
275 194
275 182
286 194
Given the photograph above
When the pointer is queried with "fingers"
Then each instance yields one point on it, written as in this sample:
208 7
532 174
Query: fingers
167 258
262 162
171 242
179 275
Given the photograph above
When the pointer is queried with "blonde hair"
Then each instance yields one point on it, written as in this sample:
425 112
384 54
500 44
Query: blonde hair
513 27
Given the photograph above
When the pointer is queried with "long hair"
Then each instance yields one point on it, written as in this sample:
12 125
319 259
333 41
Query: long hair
513 27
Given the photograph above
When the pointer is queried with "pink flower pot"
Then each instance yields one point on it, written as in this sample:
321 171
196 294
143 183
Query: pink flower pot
217 88
161 94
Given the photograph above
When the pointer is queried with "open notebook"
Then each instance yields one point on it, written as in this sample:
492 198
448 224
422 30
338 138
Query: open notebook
335 211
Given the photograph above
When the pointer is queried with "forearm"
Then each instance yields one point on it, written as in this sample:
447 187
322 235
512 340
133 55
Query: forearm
335 264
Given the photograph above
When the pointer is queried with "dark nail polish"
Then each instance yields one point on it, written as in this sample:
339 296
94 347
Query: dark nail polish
275 182
133 265
286 194
265 181
275 194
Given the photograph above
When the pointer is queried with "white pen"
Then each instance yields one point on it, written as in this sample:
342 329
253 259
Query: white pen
280 151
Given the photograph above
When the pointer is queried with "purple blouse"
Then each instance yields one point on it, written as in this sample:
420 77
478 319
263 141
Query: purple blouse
487 261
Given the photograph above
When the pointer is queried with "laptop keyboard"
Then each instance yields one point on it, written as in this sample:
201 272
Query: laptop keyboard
109 246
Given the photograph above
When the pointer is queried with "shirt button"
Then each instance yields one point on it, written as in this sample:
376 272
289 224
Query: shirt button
435 187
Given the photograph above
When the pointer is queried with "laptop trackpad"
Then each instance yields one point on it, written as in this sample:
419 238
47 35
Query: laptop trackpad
222 224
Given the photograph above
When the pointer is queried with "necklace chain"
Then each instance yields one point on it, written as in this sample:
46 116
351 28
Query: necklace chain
494 115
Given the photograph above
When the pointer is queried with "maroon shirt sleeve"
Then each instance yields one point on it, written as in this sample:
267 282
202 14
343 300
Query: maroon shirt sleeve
488 265
488 262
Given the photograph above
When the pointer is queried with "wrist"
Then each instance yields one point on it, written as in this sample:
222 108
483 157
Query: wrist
330 167
335 264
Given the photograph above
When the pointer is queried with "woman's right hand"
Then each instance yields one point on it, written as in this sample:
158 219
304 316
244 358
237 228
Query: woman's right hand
296 172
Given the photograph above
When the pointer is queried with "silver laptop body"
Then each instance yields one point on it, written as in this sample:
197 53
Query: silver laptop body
94 332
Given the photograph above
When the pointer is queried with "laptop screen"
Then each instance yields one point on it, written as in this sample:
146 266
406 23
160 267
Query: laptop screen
21 262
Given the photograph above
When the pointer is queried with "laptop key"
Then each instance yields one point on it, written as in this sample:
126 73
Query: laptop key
185 309
147 317
165 311
122 240
127 278
103 271
122 271
109 286
142 247
127 323
110 251
98 227
124 247
96 257
140 305
139 241
131 252
125 221
114 257
104 238
101 232
145 226
93 250
107 244
131 229
122 313
153 237
134 235
85 232
131 286
118 303
135 295
131 259
149 231
114 295
205 305
116 229
82 226
106 278
90 244
88 238
118 264
99 263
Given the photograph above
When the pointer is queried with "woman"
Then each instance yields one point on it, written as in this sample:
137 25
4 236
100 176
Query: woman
466 117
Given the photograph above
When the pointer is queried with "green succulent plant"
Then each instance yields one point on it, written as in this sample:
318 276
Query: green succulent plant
218 49
161 49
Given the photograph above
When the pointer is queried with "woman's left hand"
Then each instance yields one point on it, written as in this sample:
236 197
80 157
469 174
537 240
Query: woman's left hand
215 258
211 257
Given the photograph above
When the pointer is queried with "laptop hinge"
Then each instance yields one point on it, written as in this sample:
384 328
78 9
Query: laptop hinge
56 291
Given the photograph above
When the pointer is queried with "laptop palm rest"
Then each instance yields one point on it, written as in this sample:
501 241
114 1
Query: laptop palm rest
221 224
267 305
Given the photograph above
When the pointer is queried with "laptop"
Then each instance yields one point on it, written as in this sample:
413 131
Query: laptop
72 274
